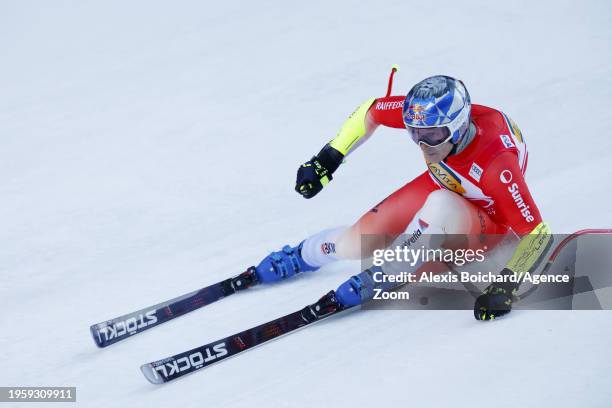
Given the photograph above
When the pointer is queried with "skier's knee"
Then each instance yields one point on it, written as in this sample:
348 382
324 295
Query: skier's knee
446 212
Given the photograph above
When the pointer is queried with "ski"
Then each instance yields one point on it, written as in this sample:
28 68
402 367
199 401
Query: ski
171 368
122 327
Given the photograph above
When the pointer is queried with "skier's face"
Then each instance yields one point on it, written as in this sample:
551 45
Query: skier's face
431 136
436 154
434 142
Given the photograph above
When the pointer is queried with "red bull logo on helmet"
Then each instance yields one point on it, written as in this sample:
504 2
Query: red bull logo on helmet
416 112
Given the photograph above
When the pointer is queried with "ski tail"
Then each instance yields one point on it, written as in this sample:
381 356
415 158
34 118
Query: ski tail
171 368
120 328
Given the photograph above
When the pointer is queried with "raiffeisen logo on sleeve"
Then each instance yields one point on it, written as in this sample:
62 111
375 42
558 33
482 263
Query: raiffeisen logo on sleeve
389 105
506 177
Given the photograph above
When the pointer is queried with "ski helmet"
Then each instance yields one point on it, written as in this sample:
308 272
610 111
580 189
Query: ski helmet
437 110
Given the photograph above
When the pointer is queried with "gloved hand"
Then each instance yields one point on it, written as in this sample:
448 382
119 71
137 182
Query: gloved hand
311 177
317 172
497 299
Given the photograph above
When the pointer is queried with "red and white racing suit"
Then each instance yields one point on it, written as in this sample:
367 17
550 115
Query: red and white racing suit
488 173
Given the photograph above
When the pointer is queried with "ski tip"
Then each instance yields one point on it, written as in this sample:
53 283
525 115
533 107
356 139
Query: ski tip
95 333
150 374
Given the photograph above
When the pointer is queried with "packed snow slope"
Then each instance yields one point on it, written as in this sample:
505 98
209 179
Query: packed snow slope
149 148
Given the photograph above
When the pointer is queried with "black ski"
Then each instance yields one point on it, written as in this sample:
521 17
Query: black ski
120 328
171 368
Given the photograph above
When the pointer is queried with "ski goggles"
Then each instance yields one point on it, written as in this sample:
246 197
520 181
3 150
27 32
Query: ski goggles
430 136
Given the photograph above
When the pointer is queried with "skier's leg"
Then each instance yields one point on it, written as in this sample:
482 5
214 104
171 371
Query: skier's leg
309 255
443 213
387 219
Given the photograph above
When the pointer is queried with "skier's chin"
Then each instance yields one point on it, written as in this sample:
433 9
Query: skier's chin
438 153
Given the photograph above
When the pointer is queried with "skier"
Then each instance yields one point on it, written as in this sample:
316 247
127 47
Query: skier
476 158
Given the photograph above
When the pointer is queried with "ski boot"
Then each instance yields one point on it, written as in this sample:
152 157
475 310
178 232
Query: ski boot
349 293
360 288
283 264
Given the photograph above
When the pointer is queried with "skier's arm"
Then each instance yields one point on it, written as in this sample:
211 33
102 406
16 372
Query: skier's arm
317 172
365 119
506 185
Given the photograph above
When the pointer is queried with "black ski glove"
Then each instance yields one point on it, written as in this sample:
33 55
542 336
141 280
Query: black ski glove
497 299
317 172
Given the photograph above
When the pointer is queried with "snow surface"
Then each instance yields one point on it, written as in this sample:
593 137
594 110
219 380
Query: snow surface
149 148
